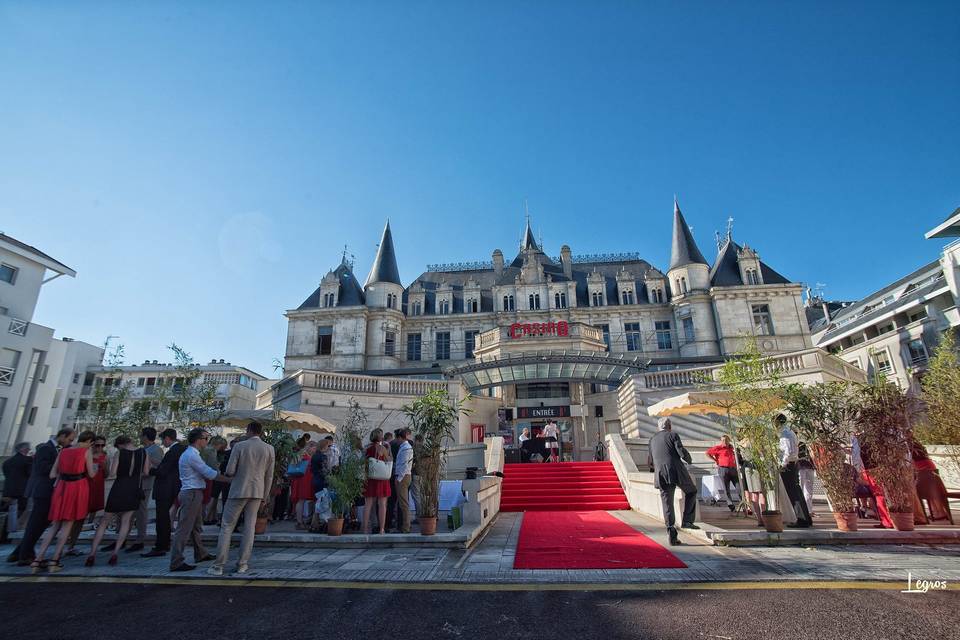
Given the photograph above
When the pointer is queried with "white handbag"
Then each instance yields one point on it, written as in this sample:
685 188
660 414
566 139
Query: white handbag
379 469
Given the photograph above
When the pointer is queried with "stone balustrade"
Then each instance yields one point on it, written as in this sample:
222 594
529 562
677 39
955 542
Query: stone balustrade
351 383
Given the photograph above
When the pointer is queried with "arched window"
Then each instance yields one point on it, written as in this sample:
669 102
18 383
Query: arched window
683 285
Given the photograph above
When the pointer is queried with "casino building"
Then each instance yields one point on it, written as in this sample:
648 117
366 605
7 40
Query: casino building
586 340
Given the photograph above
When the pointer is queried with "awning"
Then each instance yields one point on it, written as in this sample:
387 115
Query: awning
548 366
702 403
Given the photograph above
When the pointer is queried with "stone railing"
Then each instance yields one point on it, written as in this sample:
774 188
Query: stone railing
808 361
349 383
638 485
414 387
343 382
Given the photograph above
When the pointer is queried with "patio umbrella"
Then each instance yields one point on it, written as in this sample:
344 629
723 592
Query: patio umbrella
702 403
295 420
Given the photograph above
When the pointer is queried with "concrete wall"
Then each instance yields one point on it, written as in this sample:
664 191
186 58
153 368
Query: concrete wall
733 307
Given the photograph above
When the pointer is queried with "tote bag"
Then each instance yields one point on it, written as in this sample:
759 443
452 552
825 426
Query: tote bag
379 469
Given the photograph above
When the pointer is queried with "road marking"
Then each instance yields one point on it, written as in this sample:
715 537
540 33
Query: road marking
869 585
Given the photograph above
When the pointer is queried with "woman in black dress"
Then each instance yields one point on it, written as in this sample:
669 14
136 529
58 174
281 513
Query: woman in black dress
127 468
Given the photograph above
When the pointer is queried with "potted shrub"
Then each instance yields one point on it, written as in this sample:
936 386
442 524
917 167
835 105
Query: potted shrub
276 435
824 415
884 424
346 484
753 383
433 416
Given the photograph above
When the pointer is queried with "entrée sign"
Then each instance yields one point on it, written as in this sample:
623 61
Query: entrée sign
518 330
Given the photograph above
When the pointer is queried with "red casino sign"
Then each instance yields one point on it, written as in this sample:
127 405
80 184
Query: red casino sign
520 329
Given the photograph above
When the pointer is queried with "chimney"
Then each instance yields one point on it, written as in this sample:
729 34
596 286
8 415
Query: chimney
497 261
826 310
566 260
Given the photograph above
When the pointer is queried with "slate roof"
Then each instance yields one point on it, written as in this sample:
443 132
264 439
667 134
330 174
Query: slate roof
350 294
684 249
385 264
725 271
816 319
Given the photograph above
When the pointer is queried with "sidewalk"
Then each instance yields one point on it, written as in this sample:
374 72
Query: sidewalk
491 562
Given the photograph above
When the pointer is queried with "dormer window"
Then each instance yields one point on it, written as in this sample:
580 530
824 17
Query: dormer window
534 301
560 300
627 297
508 304
752 277
597 299
657 296
329 300
473 306
416 309
443 308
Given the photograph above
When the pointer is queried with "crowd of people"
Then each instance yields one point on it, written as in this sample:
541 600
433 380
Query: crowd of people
194 482
668 459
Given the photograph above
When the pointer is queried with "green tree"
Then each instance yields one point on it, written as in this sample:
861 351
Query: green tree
940 424
433 416
753 384
107 412
189 397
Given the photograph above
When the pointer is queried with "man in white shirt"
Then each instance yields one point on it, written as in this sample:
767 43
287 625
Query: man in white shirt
402 470
790 473
194 473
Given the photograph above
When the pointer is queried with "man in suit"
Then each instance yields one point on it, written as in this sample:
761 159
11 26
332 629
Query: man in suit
251 468
40 488
166 487
148 441
16 474
667 455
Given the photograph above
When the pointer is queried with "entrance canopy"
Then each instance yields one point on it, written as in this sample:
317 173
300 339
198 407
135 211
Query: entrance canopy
548 366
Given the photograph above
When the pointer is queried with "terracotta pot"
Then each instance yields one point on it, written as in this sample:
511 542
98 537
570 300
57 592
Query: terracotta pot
428 526
335 526
261 526
902 521
846 521
773 521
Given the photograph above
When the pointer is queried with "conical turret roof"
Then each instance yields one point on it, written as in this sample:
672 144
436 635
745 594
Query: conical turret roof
385 264
684 250
529 242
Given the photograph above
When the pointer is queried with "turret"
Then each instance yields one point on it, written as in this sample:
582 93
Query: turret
688 268
382 288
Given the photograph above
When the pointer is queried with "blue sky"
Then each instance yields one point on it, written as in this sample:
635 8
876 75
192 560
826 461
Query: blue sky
201 165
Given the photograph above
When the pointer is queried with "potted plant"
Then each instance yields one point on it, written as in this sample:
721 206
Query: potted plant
346 485
753 383
433 416
824 415
276 435
884 424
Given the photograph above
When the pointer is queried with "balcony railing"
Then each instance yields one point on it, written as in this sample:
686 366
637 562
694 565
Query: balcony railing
6 375
18 327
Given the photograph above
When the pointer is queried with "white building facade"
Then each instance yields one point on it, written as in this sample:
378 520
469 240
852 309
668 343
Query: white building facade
38 391
894 331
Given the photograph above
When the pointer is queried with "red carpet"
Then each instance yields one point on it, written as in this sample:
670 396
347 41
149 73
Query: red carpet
586 540
561 486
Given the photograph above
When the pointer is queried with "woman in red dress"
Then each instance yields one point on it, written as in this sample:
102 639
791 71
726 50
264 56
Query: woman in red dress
71 497
376 491
301 490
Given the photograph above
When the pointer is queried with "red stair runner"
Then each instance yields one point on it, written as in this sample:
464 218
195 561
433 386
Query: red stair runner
586 540
561 486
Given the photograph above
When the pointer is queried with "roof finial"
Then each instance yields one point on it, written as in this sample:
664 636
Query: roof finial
729 228
719 242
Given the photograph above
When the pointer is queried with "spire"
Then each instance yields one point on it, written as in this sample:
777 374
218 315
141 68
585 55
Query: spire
529 242
684 250
385 264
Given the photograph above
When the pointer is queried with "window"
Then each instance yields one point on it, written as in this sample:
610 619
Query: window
605 328
508 303
473 306
656 296
683 284
628 297
391 301
69 403
762 323
43 373
443 307
469 342
534 301
663 334
597 299
76 378
443 345
141 381
32 416
887 328
632 329
8 273
413 346
329 300
560 300
390 343
417 308
752 277
536 390
688 333
324 341
918 352
83 405
918 315
881 360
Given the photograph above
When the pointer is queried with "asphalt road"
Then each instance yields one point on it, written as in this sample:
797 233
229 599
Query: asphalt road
93 611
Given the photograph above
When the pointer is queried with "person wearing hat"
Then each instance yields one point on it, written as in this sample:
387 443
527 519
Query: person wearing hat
667 455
